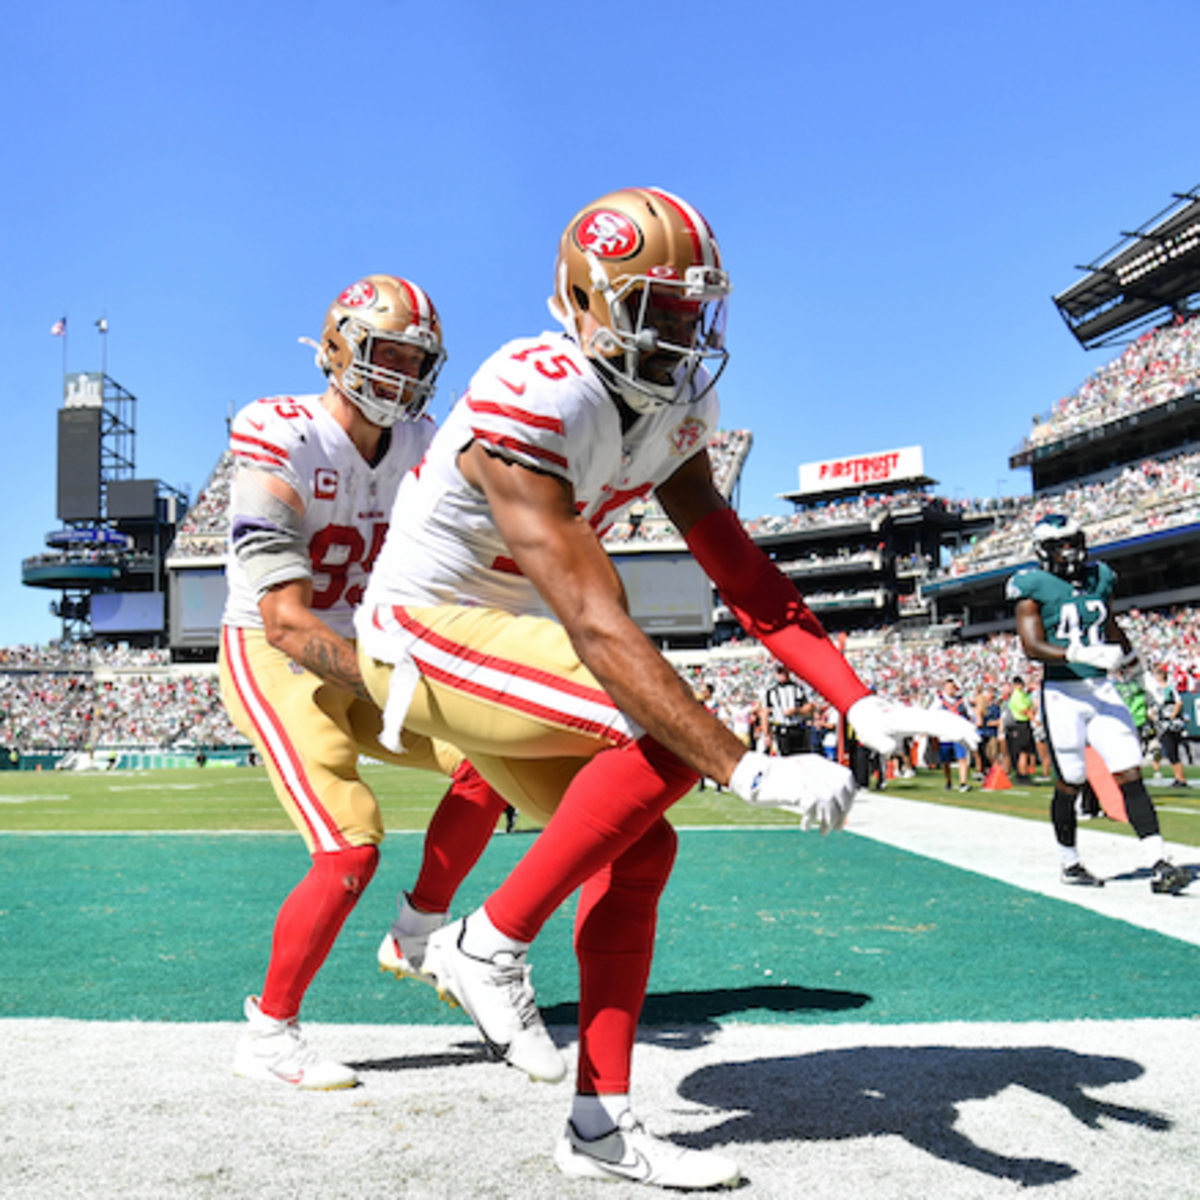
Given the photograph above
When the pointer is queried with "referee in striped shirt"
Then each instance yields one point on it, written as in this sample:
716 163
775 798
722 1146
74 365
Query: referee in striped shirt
789 711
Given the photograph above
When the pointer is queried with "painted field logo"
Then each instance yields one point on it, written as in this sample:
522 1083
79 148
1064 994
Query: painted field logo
608 234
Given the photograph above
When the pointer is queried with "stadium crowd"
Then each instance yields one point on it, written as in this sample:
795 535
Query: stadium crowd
1162 365
75 697
1142 498
201 533
72 697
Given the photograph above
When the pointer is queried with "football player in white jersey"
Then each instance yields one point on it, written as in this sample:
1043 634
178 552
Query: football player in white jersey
581 722
314 482
1065 621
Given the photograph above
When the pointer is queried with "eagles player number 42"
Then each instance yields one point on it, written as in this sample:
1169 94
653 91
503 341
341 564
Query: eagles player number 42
1073 629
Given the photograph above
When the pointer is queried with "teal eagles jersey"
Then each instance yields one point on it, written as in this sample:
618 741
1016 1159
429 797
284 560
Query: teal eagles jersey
1070 612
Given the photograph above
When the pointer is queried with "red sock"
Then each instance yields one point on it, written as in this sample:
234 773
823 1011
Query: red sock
611 803
457 836
614 941
308 925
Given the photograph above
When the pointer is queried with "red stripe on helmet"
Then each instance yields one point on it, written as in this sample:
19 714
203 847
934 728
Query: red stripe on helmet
704 245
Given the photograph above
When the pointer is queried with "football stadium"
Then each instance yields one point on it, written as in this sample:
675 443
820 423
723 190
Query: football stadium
912 1007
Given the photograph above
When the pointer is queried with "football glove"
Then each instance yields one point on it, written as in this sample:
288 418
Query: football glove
881 724
1105 657
808 784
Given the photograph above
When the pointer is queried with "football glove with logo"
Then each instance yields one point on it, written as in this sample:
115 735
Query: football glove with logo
808 784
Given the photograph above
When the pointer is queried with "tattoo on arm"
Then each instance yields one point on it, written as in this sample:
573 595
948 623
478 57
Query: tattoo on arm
335 662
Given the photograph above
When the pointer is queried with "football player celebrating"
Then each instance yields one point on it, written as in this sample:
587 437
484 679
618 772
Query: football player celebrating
314 481
581 722
1065 622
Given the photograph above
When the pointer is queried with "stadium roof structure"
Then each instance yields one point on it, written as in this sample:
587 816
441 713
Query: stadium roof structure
1148 276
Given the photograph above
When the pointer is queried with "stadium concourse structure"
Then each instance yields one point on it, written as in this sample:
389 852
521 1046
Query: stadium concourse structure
1121 454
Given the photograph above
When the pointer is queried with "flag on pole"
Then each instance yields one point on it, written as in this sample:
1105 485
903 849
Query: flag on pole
59 328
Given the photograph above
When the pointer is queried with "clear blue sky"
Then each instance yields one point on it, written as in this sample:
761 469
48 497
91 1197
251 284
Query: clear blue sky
898 190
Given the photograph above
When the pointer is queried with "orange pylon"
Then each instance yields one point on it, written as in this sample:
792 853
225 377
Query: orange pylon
997 779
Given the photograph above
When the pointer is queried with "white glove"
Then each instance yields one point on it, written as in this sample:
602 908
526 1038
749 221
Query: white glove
1105 657
881 723
809 784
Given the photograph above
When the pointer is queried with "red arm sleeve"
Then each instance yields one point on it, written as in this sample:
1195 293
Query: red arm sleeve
770 609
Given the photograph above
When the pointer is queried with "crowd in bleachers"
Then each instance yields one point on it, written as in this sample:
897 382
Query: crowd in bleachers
64 698
914 670
77 710
201 533
1161 365
1142 498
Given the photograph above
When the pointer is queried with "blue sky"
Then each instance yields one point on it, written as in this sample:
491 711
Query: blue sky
898 190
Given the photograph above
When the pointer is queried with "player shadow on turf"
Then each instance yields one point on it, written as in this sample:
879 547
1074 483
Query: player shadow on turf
673 1020
911 1092
683 1020
1144 873
466 1053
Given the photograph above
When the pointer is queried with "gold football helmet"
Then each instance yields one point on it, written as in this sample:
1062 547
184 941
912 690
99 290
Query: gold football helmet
378 312
639 285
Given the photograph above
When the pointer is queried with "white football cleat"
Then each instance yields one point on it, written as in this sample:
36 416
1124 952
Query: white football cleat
497 995
628 1152
276 1051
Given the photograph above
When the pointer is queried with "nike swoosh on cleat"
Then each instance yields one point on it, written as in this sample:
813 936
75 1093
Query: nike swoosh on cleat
501 1051
638 1170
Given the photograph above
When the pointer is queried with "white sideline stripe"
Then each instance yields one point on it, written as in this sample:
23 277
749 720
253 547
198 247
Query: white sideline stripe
1023 853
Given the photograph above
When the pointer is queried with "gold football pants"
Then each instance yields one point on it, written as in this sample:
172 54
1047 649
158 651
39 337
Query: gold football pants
508 691
310 734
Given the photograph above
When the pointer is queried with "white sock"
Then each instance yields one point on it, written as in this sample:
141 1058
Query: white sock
1154 848
594 1116
483 940
412 922
1070 855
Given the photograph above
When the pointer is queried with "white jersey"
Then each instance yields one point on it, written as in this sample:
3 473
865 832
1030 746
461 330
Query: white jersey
347 502
539 402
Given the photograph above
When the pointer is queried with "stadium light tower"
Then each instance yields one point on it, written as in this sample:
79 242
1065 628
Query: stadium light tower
112 524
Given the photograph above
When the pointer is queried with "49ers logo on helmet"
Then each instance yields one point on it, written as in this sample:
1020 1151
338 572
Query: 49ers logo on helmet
608 234
359 295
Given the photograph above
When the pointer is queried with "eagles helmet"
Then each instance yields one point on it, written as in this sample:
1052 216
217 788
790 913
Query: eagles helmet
375 310
1060 546
640 286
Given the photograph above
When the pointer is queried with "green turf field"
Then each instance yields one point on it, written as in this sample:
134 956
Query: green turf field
756 925
174 907
240 799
